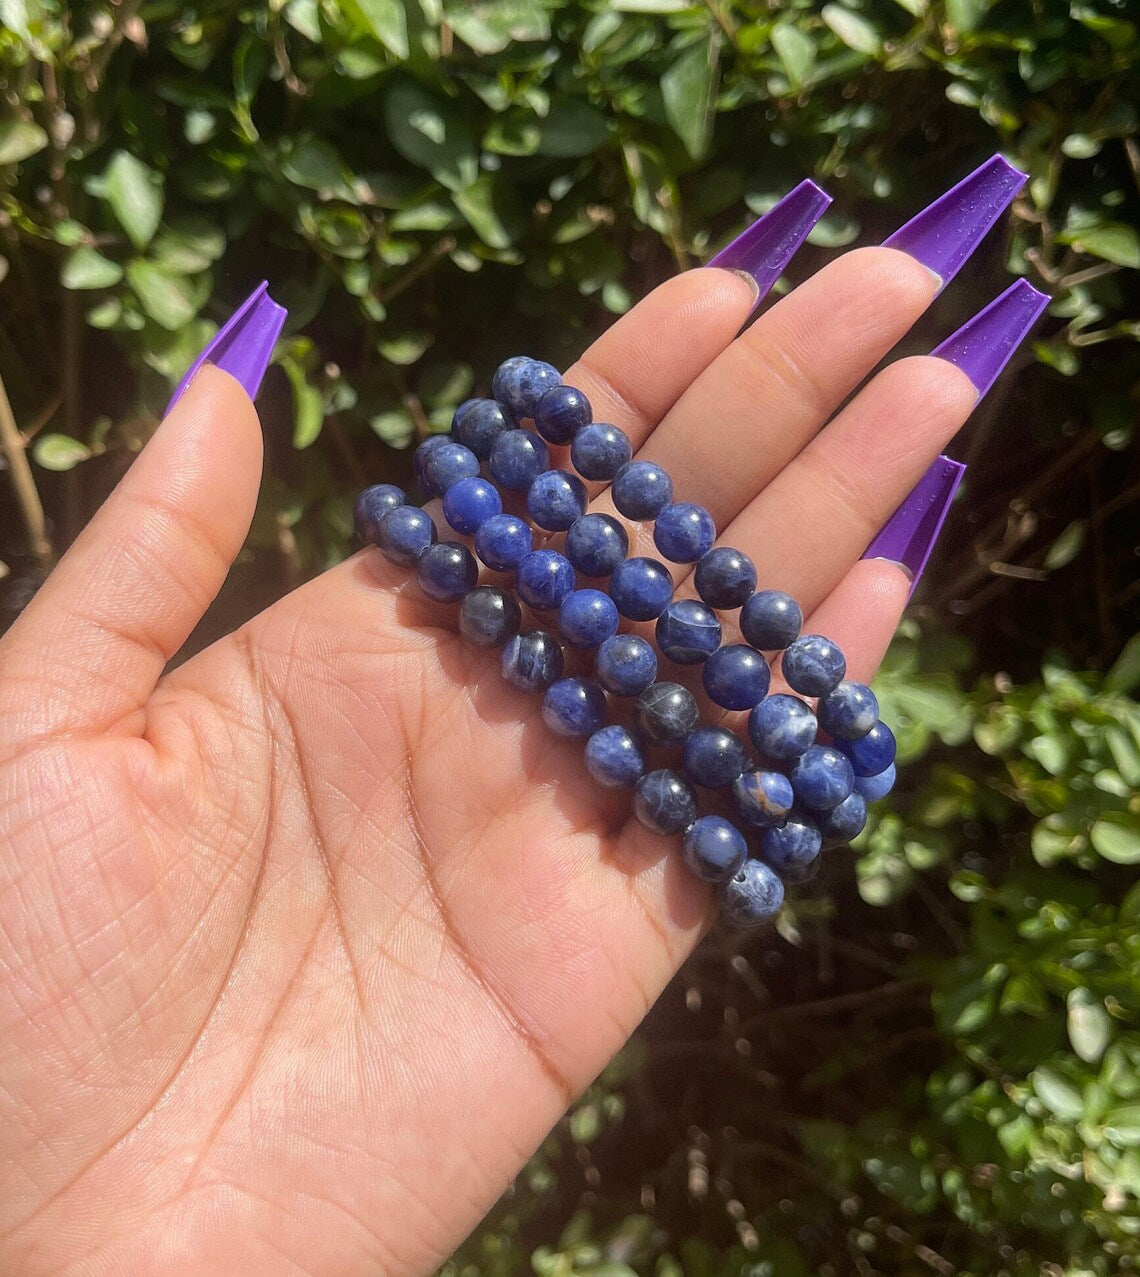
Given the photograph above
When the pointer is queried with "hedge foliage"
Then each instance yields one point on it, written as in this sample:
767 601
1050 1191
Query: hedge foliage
936 1065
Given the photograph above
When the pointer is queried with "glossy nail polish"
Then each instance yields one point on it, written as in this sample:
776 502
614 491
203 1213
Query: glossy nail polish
985 344
908 536
243 346
944 234
769 244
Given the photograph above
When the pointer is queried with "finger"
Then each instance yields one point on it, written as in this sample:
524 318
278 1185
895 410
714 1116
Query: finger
88 650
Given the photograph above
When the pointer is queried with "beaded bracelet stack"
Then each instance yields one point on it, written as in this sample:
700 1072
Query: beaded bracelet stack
801 794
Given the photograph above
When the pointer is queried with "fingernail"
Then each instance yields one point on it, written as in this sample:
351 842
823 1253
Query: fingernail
908 536
943 235
769 244
243 345
985 344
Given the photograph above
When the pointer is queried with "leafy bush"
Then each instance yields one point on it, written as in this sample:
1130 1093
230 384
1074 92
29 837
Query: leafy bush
934 1067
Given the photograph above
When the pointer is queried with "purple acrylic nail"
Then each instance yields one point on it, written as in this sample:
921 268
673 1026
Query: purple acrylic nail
769 244
908 536
244 345
943 235
985 344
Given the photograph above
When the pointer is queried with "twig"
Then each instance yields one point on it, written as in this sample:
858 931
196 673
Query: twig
421 267
23 481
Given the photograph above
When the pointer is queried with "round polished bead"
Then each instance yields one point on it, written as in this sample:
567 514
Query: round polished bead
625 665
544 579
503 541
782 727
666 713
489 616
725 578
736 676
770 620
446 465
614 758
813 665
821 778
561 413
875 787
763 798
521 382
713 757
664 803
688 632
574 707
478 423
641 588
420 459
469 503
752 896
371 506
713 849
446 571
845 821
848 711
599 451
587 618
555 499
517 458
641 490
596 544
873 753
790 847
403 534
684 532
531 661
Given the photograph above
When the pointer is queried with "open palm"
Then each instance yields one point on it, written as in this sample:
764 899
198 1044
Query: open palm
305 945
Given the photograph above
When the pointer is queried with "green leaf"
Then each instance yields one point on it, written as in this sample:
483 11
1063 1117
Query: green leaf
965 16
1122 1126
855 32
490 26
1057 1093
796 51
431 133
316 165
394 425
1067 546
1088 1024
308 405
19 139
135 195
59 452
1124 676
688 89
191 246
166 297
385 19
1116 836
86 268
571 128
481 204
405 348
1114 242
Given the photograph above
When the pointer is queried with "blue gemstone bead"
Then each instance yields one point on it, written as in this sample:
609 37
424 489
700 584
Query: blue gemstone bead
420 458
555 499
517 458
782 727
848 712
770 620
641 588
821 778
870 754
664 803
813 665
469 503
561 413
713 757
521 382
478 423
688 632
752 896
446 465
503 542
544 579
596 544
725 578
641 490
371 506
574 707
587 618
763 798
684 532
736 676
845 821
404 533
447 571
531 661
714 849
789 848
875 787
614 758
625 665
599 451
665 713
489 616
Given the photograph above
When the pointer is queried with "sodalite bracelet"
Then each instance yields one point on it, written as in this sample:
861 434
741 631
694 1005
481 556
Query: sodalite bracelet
800 796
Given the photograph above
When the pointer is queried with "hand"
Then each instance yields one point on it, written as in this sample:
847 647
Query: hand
306 944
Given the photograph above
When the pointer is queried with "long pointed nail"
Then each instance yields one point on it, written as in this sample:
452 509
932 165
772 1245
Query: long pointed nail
243 345
908 536
943 235
769 244
985 344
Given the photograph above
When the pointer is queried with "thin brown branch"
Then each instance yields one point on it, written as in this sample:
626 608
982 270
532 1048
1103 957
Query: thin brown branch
23 481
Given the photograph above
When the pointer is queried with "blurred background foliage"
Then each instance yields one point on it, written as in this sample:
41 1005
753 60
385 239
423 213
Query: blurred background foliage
934 1066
